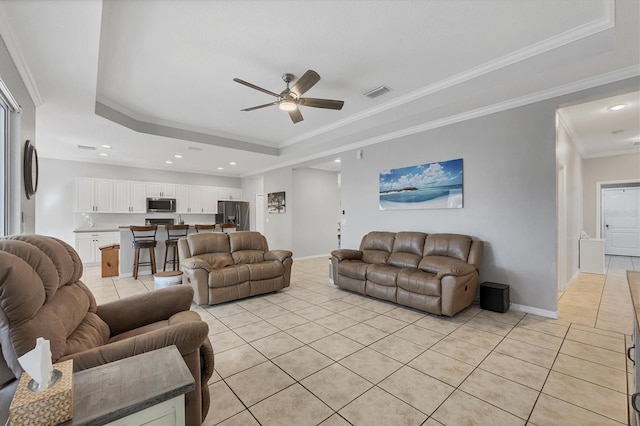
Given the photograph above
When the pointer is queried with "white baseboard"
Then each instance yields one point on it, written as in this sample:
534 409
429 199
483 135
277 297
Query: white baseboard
535 311
327 256
569 283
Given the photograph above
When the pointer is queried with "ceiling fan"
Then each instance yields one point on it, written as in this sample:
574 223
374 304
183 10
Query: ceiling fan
290 98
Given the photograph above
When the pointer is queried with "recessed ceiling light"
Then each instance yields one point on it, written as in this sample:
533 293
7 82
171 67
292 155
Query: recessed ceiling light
105 146
104 154
178 156
169 162
220 168
232 163
337 160
617 107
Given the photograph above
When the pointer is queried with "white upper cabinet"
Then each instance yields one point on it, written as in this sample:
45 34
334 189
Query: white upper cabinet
129 196
209 199
182 198
123 196
94 195
161 190
195 199
230 194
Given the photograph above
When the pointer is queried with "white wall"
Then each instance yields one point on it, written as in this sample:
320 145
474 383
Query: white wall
605 169
509 195
315 199
55 202
278 226
21 212
570 206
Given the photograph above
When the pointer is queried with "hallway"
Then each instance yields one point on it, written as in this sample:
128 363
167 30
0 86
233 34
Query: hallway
601 301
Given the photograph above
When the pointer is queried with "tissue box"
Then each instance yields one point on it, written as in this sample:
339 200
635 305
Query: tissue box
46 408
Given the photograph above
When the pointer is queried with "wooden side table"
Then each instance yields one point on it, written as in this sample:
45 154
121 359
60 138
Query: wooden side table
144 389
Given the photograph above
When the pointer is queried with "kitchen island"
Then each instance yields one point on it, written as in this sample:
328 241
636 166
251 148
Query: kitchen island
127 251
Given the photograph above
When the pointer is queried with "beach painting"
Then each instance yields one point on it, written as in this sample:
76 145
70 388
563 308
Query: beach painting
427 186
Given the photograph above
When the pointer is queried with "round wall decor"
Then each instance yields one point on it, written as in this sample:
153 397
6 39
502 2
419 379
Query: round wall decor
30 169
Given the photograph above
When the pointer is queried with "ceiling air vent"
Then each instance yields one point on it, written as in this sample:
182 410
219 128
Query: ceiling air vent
194 148
87 147
380 90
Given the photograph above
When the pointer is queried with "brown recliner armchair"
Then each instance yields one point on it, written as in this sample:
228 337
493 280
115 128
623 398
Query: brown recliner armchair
41 295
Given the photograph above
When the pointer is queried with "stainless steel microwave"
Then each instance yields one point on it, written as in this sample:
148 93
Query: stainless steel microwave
164 205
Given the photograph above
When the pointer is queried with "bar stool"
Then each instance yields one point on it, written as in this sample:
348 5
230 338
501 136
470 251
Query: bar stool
144 237
174 233
204 228
229 227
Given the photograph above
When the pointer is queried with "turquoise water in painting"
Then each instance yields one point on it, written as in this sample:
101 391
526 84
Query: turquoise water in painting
420 195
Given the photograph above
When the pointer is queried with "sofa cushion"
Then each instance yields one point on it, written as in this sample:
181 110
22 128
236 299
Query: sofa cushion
383 274
376 246
442 264
451 245
354 269
216 260
247 240
229 276
91 333
210 242
248 256
419 282
265 270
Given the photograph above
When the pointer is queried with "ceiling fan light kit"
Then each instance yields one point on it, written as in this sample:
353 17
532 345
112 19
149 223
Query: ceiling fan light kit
290 98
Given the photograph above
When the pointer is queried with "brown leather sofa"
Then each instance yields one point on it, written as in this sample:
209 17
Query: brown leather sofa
41 295
436 273
222 267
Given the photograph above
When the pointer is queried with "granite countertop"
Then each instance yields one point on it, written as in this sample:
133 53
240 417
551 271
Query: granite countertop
102 228
633 277
121 227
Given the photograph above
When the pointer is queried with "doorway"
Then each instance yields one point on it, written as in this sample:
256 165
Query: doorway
620 223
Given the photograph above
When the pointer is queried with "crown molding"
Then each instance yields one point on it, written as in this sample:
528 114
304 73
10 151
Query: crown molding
628 72
20 62
566 123
606 22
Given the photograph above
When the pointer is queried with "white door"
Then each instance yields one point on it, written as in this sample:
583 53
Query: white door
621 214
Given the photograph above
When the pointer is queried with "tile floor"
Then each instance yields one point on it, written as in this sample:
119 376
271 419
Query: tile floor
312 354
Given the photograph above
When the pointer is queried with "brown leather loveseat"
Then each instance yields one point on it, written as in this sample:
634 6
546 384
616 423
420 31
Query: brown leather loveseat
436 273
222 267
41 295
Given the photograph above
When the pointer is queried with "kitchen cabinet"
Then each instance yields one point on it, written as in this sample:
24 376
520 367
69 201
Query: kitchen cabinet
182 198
234 194
196 199
88 244
129 196
161 190
94 195
209 199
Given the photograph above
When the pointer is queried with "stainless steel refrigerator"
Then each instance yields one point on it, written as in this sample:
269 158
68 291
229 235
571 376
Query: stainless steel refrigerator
235 212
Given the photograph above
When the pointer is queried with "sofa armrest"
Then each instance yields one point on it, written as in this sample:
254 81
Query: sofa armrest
142 309
347 254
194 263
186 336
458 270
279 255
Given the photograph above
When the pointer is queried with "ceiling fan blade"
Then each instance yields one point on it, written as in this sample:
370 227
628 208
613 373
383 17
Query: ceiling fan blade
253 86
321 103
306 82
295 115
260 106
